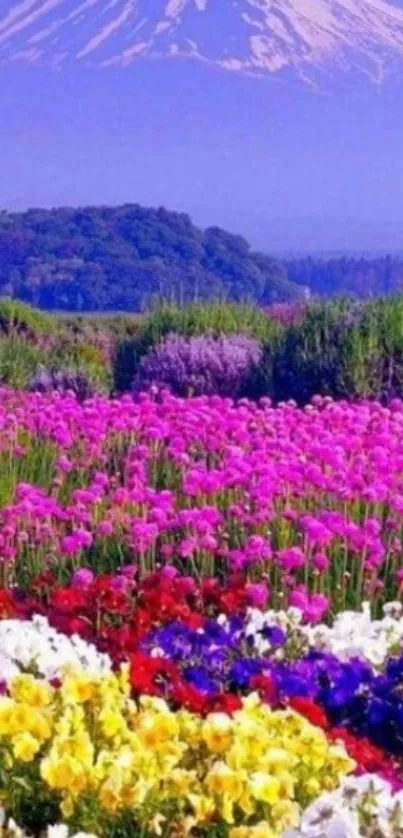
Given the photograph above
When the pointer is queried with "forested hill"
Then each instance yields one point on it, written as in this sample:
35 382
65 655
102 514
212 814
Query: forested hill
350 276
123 258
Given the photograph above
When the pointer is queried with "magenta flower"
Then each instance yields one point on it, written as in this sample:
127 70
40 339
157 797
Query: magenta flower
82 578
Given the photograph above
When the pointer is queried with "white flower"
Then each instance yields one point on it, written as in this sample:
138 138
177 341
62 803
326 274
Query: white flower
342 824
60 830
356 634
366 784
34 644
222 621
353 634
14 830
393 609
346 812
320 814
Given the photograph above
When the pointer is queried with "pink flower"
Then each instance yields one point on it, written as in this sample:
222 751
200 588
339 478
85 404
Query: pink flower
105 528
69 545
169 572
187 547
299 599
129 571
64 464
82 578
257 595
320 561
291 558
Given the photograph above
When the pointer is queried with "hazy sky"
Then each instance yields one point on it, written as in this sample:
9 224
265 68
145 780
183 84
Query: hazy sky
288 168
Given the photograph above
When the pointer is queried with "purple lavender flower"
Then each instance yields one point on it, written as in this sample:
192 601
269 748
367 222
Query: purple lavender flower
201 365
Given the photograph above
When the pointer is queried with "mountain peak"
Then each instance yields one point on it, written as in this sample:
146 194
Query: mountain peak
249 36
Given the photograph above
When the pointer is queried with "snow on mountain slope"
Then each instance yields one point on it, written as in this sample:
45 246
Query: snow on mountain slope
255 36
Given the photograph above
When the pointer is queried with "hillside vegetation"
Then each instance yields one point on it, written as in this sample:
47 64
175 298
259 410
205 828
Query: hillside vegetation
124 258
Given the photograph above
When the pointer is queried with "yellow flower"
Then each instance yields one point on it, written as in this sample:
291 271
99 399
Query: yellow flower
20 718
285 814
110 796
343 764
6 706
287 785
136 795
313 786
26 689
183 781
156 728
78 746
112 723
227 808
78 688
239 832
25 747
65 774
40 726
67 807
263 830
264 787
246 802
223 780
203 807
217 732
277 759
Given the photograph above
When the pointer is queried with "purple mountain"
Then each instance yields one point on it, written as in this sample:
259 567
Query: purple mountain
251 36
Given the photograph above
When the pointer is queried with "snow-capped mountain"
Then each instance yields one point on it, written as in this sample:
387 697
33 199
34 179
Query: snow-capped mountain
250 36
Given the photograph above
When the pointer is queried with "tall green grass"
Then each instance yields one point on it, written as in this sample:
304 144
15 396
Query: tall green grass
341 349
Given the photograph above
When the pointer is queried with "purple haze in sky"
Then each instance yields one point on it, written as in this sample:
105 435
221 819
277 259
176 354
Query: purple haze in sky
290 168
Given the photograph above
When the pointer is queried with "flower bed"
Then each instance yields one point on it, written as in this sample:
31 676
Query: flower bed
200 618
307 501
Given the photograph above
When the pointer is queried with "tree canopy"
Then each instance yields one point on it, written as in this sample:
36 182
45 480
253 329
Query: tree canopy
123 258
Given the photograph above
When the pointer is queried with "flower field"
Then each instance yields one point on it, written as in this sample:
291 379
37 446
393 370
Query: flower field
201 618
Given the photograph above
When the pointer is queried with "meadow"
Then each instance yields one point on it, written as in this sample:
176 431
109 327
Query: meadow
201 582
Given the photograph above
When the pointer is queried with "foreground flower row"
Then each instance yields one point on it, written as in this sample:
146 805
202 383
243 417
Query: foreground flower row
358 808
87 753
81 759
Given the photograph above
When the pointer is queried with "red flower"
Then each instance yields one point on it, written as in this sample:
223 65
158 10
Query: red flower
311 711
267 689
7 606
67 600
226 703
